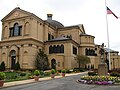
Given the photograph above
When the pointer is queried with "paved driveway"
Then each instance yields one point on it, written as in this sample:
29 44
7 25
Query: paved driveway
66 83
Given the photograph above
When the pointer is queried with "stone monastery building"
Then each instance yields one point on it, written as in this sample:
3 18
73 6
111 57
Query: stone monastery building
23 33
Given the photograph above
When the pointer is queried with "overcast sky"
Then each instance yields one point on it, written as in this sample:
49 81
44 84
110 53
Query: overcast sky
90 13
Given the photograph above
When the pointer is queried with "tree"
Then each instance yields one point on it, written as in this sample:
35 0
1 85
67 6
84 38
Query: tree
41 61
2 66
82 60
17 66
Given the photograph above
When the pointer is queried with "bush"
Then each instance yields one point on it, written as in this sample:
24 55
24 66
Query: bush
2 66
59 71
22 74
17 66
2 75
47 74
37 72
68 71
115 74
82 70
53 71
92 74
63 71
76 70
30 76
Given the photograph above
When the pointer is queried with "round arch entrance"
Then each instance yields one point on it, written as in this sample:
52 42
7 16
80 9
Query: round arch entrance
53 64
13 58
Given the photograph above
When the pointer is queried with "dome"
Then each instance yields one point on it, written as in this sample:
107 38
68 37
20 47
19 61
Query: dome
54 23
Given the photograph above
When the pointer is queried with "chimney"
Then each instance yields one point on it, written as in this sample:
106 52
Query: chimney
49 16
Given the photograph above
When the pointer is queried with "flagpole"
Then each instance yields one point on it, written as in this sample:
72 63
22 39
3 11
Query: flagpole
108 38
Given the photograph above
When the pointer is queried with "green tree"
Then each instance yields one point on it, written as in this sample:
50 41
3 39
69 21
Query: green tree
2 66
82 60
41 61
17 66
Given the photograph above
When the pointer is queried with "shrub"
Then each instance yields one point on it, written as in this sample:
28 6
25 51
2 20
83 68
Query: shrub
68 71
115 74
47 74
63 71
53 71
59 71
22 74
92 74
37 72
82 69
17 66
76 70
30 76
2 66
2 75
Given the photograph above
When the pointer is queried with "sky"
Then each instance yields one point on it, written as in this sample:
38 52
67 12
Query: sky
90 13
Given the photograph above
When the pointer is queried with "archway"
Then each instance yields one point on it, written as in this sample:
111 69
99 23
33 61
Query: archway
13 58
53 64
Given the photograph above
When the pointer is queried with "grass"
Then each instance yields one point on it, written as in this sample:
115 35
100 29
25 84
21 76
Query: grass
14 76
18 76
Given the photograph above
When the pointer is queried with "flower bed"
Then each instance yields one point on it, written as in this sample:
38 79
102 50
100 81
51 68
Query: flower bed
100 80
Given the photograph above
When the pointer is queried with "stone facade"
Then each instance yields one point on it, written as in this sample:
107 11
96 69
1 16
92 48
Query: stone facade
23 33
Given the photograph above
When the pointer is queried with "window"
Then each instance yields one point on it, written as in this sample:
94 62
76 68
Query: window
48 36
90 52
52 37
11 32
62 49
56 49
50 50
16 30
69 36
74 50
86 51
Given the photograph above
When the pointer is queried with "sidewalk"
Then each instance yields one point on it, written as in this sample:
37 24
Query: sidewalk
15 83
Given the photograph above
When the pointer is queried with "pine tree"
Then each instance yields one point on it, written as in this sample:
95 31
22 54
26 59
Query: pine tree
2 66
17 66
41 61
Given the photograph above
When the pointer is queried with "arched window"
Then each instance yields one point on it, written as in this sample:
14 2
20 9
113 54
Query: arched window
58 49
89 52
86 51
16 29
49 36
13 53
55 48
62 49
50 49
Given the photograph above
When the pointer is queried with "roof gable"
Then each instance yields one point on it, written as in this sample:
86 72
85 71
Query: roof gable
16 13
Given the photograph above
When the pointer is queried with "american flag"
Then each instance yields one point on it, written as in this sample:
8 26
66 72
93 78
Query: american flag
110 12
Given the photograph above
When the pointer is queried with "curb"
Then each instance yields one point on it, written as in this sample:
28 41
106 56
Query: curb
17 83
